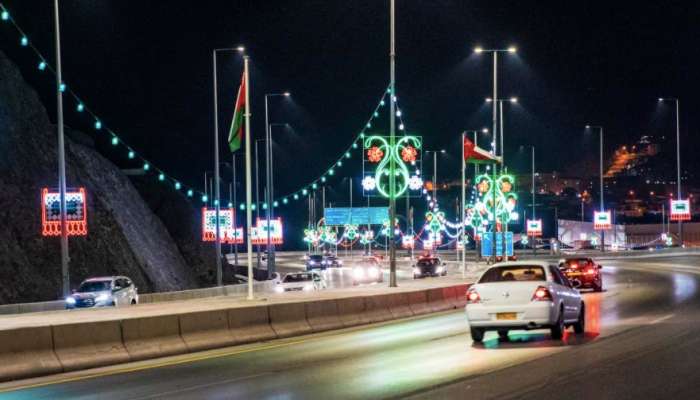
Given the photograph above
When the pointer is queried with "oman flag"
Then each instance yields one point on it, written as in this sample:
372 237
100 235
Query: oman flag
235 134
476 155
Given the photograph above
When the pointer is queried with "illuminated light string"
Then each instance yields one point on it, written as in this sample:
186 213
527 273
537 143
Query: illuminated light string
80 107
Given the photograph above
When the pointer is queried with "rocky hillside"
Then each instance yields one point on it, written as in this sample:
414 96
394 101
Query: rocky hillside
125 236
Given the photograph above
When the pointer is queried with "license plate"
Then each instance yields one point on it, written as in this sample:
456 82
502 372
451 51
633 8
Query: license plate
506 315
574 274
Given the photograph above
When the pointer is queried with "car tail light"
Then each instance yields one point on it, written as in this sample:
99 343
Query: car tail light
590 271
473 297
542 294
574 266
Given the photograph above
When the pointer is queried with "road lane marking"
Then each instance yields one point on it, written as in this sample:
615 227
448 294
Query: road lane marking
661 319
200 386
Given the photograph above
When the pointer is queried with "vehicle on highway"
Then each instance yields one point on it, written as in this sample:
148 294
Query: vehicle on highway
315 261
367 270
582 272
301 281
429 266
104 292
523 295
331 261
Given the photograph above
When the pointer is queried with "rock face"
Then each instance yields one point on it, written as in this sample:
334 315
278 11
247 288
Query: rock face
124 235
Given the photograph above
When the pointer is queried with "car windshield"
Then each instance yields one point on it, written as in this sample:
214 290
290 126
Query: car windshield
516 273
297 278
316 258
94 286
427 262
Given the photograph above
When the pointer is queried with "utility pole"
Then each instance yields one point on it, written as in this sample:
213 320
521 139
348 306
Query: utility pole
65 259
248 186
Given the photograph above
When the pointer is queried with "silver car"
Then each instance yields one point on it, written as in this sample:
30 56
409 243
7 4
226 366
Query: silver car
104 292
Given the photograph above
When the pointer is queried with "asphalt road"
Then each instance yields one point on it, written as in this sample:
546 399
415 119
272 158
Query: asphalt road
643 341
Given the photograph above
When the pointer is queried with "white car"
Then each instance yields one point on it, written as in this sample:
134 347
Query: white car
524 295
102 292
301 281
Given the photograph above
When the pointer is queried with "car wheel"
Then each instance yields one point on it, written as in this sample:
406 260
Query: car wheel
503 335
557 330
580 325
477 335
133 302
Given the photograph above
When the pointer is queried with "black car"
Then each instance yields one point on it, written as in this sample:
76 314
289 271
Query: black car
315 261
429 266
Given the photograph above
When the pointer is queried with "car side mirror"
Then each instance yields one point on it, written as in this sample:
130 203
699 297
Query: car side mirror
117 288
600 267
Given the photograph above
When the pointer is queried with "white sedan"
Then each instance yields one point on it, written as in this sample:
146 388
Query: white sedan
301 281
523 295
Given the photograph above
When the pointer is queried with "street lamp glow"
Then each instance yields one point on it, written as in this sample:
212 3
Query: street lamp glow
485 130
513 99
512 49
443 151
286 94
588 127
240 49
488 99
661 99
478 50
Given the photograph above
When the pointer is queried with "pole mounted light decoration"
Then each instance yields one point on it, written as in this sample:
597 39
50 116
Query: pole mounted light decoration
379 156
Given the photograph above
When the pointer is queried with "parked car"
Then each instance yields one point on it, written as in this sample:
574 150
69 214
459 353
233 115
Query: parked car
103 292
367 270
301 281
429 266
582 272
315 261
524 295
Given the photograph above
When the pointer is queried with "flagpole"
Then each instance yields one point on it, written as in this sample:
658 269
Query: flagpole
217 194
248 186
392 166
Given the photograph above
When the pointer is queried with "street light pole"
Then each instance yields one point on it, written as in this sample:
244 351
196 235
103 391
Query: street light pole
392 140
65 259
602 194
534 248
678 160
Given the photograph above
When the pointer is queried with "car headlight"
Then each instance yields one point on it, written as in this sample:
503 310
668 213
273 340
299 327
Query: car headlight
373 272
439 270
308 288
416 270
70 300
312 262
358 273
325 263
102 298
340 262
279 289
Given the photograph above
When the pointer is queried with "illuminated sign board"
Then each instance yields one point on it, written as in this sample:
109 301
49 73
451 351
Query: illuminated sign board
534 227
259 232
76 212
602 220
680 210
227 234
356 215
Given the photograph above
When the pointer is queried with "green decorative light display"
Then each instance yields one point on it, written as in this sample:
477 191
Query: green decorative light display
481 211
350 232
379 152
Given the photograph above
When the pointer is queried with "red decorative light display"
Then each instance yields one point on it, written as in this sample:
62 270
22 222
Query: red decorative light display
409 154
76 212
259 232
227 233
375 154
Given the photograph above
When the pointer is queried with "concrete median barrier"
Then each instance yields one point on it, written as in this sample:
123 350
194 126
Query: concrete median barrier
399 305
322 315
27 352
289 319
250 324
377 308
438 300
152 337
418 302
88 345
205 330
461 295
352 311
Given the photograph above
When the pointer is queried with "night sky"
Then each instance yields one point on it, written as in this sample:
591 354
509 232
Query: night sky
145 68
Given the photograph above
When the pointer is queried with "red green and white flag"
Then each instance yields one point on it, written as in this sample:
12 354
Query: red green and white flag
235 134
